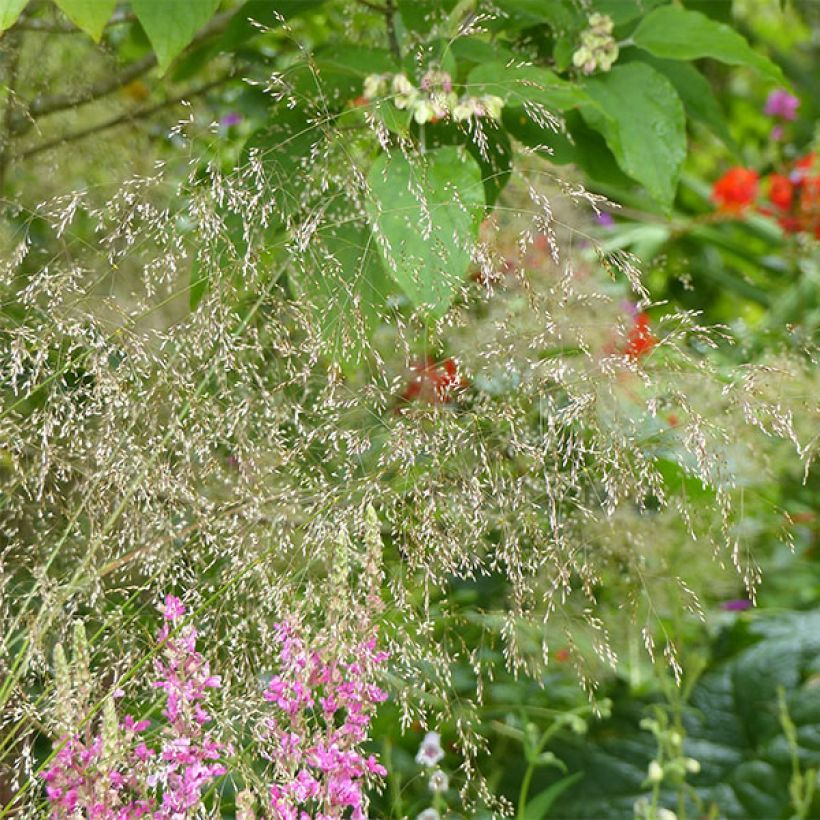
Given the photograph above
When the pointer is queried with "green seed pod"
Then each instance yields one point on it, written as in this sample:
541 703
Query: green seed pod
80 665
64 702
110 733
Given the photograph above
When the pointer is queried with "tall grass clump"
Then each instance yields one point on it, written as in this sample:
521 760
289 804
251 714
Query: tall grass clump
223 424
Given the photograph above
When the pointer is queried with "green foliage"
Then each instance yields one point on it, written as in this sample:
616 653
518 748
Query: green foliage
643 123
731 725
304 305
9 11
676 33
171 26
425 213
89 15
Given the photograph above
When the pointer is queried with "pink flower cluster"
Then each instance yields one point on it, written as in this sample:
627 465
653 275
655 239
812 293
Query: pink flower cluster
188 752
324 710
114 774
82 777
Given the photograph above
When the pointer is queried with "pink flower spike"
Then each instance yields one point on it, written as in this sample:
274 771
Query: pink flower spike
782 105
173 608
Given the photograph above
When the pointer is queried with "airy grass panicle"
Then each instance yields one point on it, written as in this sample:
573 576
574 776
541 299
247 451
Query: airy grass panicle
217 453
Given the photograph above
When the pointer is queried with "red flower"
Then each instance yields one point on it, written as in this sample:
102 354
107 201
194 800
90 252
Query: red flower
735 190
435 383
780 191
640 340
796 198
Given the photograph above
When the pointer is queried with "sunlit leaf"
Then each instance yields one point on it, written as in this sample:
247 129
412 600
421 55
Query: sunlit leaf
674 32
425 213
172 24
89 15
642 119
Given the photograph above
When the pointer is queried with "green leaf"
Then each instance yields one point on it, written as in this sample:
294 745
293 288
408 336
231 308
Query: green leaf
642 120
89 15
9 12
696 94
347 291
622 11
674 32
425 214
172 24
732 728
526 84
495 160
538 808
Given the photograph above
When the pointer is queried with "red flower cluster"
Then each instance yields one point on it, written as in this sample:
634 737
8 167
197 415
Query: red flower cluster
735 191
435 383
640 339
793 198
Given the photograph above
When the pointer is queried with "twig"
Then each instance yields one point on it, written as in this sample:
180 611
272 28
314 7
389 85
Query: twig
390 18
27 23
389 12
128 116
13 55
53 103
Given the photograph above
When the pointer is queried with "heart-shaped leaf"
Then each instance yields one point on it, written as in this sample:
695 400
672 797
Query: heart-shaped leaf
170 25
672 31
89 15
643 122
425 213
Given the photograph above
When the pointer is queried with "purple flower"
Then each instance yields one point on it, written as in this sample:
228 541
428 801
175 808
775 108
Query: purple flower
231 118
604 219
781 104
736 605
777 133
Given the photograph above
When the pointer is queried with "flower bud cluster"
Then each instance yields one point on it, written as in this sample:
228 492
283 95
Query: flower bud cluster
113 773
434 98
324 706
598 51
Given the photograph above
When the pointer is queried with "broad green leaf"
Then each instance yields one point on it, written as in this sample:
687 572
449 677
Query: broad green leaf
495 161
89 15
732 728
642 120
425 214
477 51
696 94
539 807
674 32
525 84
172 24
347 289
560 15
9 12
622 11
585 148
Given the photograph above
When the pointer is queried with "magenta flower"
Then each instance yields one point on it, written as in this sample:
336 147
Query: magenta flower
121 782
781 104
604 219
231 118
736 605
324 709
